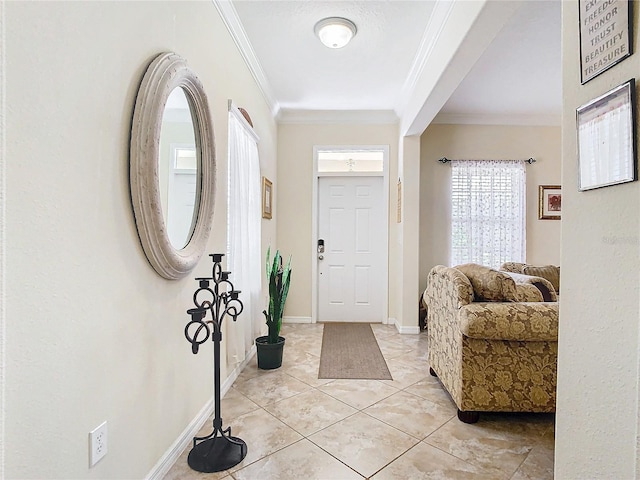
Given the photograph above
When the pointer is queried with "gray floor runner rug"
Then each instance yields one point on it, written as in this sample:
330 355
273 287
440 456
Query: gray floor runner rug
350 350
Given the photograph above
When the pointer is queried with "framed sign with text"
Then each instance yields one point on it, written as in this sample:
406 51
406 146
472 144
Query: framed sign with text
605 35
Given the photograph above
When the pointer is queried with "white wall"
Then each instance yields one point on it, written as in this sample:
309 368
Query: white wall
93 333
293 190
597 408
470 142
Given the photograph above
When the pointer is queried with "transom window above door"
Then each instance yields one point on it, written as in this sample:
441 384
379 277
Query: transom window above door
344 161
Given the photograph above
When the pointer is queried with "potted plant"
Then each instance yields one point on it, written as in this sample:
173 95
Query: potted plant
269 348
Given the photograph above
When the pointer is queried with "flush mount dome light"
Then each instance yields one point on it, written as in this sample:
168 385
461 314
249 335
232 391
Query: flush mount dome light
335 32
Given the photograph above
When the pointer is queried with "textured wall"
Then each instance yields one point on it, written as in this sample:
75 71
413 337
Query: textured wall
93 333
597 409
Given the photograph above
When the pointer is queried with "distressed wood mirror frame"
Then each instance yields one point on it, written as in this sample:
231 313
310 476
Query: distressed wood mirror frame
165 73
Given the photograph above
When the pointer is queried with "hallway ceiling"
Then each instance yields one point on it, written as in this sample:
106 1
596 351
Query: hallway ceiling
517 77
520 74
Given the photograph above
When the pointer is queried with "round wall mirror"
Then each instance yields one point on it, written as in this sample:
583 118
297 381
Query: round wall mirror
172 169
178 165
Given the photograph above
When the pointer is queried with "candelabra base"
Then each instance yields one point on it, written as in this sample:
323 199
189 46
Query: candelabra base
217 454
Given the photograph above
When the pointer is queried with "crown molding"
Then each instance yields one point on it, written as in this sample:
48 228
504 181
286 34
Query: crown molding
232 22
498 119
337 117
437 21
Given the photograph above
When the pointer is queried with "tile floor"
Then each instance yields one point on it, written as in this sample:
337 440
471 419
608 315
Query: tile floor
297 426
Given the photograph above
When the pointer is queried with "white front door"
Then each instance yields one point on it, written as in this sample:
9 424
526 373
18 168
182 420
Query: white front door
351 223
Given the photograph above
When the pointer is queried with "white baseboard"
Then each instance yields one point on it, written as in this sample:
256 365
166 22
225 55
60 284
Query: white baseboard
169 458
224 388
404 330
296 320
408 330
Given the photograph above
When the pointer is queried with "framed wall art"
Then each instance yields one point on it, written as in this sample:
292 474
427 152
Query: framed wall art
267 198
549 202
605 35
606 139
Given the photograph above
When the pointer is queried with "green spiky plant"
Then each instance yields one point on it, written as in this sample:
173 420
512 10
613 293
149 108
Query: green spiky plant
278 278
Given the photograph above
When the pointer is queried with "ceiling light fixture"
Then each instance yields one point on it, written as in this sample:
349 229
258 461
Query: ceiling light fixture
335 32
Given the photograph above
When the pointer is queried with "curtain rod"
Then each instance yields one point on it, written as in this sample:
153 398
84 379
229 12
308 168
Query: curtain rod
444 160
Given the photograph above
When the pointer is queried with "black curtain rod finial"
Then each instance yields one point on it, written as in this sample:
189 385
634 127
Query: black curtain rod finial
444 160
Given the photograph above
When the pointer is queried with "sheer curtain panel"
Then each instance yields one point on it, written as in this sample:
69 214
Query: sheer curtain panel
244 234
488 222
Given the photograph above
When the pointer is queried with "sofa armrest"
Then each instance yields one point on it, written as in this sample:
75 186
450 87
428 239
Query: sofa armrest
447 287
526 321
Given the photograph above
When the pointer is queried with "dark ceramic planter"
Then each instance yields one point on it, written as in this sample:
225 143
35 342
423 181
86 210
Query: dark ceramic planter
269 354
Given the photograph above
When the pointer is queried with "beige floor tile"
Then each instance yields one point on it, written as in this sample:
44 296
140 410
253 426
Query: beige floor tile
363 443
304 329
381 330
537 466
497 443
300 346
410 340
411 414
358 393
431 389
310 411
252 371
414 358
424 462
499 446
306 370
404 375
302 460
294 354
276 387
182 471
540 461
314 348
391 349
234 404
263 434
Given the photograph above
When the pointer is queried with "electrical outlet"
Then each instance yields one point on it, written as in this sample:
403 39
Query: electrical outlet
97 444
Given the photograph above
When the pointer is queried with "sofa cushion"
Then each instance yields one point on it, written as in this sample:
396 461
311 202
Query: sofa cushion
533 289
489 285
533 322
548 272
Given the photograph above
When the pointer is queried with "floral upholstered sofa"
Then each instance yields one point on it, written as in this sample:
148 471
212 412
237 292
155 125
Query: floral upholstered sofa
491 350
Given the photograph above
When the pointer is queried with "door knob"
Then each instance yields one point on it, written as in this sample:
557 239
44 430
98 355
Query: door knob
320 257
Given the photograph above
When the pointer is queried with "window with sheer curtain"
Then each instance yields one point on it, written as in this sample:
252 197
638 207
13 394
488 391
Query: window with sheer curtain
488 222
243 234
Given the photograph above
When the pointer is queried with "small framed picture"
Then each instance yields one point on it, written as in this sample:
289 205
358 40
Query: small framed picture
606 139
549 202
267 197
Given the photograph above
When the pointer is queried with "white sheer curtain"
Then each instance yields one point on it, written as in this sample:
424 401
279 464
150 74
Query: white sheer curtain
244 234
488 221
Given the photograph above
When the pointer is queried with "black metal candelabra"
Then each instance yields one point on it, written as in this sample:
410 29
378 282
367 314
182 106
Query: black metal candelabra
219 450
